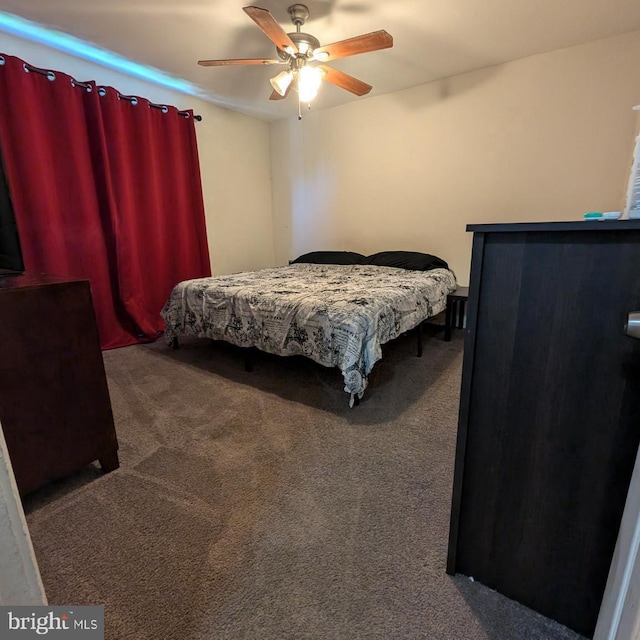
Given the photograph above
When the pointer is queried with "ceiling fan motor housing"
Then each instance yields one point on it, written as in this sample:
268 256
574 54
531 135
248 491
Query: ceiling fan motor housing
299 13
305 42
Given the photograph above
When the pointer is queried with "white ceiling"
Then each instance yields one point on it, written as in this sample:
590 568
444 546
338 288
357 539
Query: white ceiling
433 39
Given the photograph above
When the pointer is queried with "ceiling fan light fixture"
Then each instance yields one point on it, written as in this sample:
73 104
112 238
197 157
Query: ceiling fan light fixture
301 51
282 81
309 80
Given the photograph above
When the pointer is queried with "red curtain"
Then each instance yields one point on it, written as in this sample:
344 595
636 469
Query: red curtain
153 179
104 190
48 163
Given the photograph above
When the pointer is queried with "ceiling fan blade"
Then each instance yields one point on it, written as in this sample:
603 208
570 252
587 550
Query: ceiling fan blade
345 81
271 28
276 96
360 44
223 63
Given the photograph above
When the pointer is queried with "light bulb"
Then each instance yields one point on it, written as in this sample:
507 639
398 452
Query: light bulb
309 79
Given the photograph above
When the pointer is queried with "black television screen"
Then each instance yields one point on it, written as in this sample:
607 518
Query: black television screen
11 262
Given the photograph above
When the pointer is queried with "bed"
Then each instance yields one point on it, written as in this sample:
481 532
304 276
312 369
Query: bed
336 308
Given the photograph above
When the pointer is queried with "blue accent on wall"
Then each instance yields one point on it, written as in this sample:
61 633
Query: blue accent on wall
23 28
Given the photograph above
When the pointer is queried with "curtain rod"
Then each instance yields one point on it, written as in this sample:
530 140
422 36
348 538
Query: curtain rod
102 91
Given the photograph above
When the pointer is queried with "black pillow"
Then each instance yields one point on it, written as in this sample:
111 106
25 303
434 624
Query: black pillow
413 260
331 257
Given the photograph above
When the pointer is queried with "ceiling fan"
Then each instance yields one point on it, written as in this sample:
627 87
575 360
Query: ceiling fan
302 53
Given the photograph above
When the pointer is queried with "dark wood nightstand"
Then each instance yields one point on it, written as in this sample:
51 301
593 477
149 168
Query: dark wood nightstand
54 399
456 304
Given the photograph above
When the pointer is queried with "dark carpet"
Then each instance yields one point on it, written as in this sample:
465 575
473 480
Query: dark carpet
259 506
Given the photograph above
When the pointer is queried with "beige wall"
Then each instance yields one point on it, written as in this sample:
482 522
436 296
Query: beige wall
544 138
234 160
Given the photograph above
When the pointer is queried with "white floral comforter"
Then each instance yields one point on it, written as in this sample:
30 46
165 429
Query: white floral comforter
337 315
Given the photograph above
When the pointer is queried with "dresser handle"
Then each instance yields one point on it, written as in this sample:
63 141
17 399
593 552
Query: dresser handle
632 326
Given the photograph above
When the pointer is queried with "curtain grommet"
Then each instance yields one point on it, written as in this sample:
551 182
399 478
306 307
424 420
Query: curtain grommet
130 99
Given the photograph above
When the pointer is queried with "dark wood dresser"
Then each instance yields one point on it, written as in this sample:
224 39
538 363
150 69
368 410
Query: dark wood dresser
54 401
549 421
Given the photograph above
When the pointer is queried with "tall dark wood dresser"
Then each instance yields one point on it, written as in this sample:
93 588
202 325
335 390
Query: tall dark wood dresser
549 421
55 409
